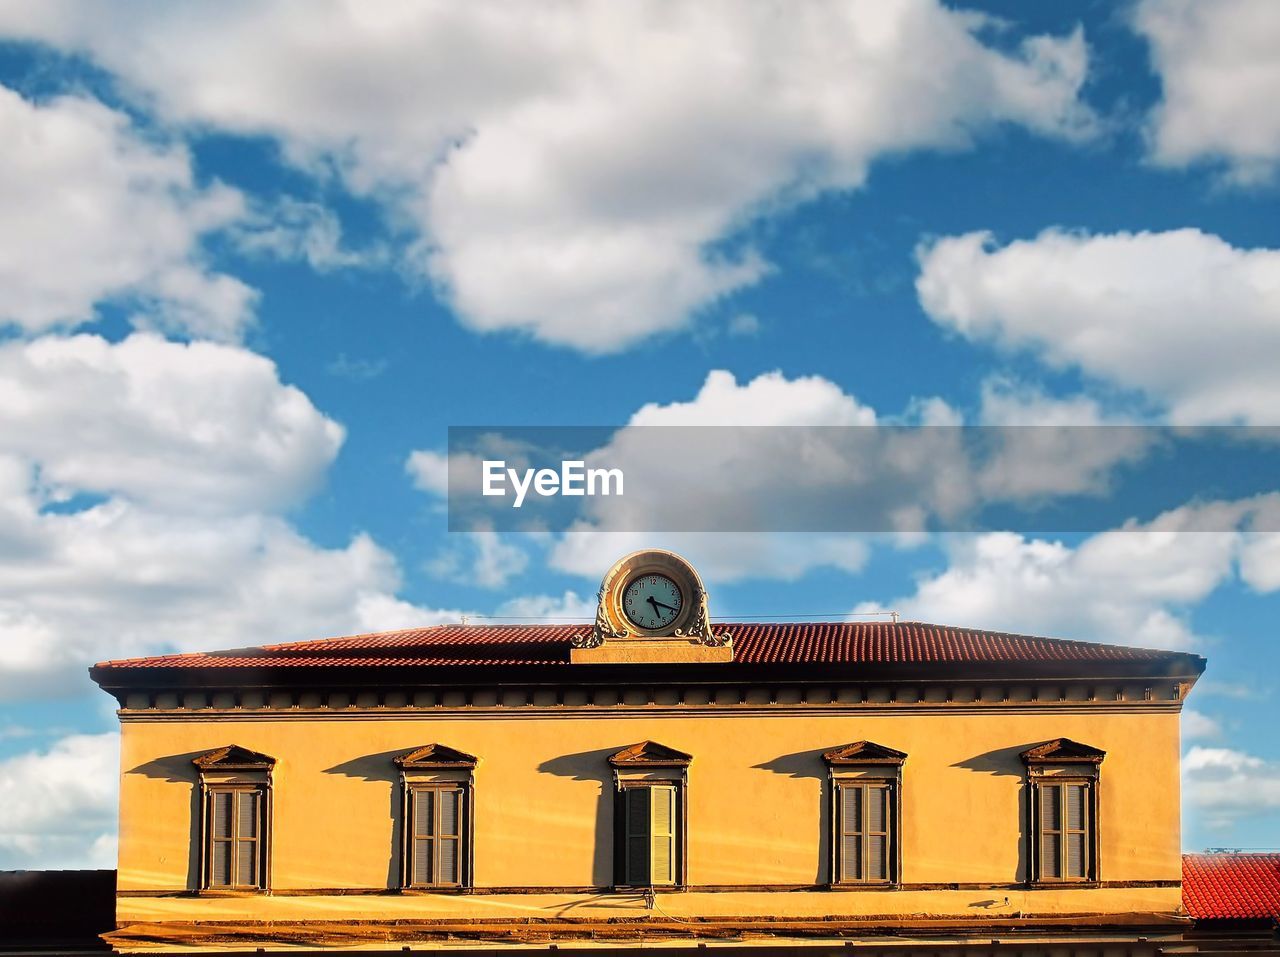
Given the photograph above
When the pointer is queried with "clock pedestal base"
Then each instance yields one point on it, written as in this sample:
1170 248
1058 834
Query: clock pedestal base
651 651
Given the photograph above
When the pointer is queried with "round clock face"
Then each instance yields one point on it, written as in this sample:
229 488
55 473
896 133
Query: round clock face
652 602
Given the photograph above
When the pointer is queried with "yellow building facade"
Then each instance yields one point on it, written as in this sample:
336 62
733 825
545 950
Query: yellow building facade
653 778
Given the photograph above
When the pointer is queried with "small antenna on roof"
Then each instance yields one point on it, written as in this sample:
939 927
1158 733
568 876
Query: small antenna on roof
894 616
464 619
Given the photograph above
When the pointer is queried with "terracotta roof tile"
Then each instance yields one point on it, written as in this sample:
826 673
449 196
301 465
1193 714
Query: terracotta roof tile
1231 886
754 643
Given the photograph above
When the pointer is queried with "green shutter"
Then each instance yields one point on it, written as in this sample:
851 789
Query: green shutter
637 827
1074 831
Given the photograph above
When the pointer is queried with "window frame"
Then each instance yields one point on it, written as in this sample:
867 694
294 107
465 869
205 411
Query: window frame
436 768
622 832
410 852
1063 762
864 765
648 764
211 839
237 771
1038 784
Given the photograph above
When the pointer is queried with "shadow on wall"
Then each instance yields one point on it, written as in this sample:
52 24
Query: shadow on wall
379 768
178 769
593 766
809 764
1007 762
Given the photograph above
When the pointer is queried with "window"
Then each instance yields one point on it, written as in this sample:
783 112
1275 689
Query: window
235 838
435 852
1063 798
650 820
649 815
436 828
1064 831
864 831
235 819
865 782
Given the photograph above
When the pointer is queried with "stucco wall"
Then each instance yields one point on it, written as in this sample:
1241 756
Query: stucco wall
543 809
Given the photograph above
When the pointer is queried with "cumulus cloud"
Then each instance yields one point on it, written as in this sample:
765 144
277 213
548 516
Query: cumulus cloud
479 558
91 210
60 804
1220 75
1147 312
139 488
1132 586
1223 785
1197 724
572 171
760 473
199 427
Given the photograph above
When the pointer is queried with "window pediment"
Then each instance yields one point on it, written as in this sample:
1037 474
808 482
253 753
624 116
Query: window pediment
650 754
234 758
1063 751
433 756
861 753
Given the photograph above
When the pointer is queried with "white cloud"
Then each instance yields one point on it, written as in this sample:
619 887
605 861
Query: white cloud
198 427
570 170
567 607
1222 785
1134 586
1218 66
429 471
479 558
1197 724
764 476
60 804
91 210
139 484
1140 311
293 229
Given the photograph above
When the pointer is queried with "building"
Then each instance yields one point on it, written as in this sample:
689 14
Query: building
655 777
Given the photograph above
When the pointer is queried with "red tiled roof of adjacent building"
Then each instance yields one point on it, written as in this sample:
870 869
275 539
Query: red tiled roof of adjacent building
849 642
1231 886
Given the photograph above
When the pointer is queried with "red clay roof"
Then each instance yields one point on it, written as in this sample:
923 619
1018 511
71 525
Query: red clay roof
755 643
1231 886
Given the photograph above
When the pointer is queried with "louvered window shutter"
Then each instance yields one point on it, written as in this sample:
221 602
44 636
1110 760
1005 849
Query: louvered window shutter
424 816
449 836
637 826
221 823
1074 830
1051 830
247 806
877 857
663 864
851 832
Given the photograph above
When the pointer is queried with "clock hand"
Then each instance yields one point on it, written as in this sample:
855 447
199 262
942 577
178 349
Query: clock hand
660 604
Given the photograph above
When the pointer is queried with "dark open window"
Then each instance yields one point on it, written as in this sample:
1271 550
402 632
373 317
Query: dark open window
649 815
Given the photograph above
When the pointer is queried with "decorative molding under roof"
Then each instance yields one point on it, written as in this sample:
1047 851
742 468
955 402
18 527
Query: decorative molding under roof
1063 751
234 758
861 753
650 754
435 756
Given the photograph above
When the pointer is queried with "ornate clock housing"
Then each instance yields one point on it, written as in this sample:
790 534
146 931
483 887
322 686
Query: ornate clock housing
647 596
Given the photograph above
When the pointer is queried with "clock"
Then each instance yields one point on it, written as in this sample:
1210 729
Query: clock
652 608
652 601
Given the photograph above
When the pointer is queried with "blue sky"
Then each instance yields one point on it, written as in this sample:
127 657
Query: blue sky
252 262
